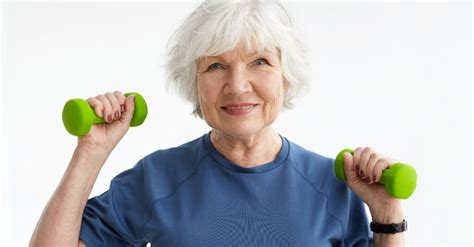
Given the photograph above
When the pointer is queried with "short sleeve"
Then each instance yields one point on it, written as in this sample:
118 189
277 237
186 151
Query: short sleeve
357 230
115 218
350 210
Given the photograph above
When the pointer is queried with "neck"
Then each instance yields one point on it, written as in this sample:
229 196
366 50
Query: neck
250 151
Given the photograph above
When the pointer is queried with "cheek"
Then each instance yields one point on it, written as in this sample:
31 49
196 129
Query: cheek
273 95
273 90
207 95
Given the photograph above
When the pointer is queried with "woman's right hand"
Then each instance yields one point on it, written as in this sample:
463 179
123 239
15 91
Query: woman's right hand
117 112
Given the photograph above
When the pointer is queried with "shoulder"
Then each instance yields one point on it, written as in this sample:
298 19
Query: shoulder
180 157
163 170
317 168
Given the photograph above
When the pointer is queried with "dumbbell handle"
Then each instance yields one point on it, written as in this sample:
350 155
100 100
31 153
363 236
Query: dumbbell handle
399 179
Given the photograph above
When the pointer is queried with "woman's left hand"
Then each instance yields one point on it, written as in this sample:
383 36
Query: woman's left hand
363 171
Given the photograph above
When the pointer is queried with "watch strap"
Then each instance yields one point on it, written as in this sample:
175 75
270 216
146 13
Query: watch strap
389 228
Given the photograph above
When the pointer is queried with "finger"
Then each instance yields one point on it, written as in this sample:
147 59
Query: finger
356 155
107 107
349 169
121 98
353 179
129 109
97 105
374 158
115 105
381 165
364 160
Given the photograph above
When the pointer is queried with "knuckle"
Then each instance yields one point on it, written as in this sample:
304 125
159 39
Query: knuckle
98 106
117 92
101 98
109 94
91 101
114 98
380 168
378 163
119 96
356 156
375 156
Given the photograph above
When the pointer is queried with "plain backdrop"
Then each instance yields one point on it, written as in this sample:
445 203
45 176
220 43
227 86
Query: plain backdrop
393 76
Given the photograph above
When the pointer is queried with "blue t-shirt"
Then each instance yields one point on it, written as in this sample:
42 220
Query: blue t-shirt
192 195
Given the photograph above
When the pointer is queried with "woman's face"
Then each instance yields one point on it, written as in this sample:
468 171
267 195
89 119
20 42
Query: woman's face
240 92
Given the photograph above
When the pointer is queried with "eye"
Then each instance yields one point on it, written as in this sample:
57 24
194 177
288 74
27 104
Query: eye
215 66
261 61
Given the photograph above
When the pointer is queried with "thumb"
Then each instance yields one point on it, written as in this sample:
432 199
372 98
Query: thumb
129 109
349 169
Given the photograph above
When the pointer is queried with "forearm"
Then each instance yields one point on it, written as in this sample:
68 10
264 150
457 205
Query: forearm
388 215
60 222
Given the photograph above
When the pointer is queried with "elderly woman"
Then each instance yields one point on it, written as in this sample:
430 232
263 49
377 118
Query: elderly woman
241 184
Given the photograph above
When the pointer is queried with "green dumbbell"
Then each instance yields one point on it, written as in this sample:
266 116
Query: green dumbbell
399 179
79 116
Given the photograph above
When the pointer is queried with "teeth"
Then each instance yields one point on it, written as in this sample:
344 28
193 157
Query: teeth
236 108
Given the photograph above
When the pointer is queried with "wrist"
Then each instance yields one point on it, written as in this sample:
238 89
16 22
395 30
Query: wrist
92 149
89 155
387 214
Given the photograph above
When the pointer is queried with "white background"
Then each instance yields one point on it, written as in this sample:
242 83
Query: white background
394 76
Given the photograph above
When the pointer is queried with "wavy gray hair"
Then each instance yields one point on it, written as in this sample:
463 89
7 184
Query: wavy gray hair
217 26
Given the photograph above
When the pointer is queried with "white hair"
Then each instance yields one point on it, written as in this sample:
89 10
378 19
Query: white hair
218 26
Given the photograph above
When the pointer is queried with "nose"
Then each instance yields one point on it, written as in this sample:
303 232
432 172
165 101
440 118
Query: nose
238 82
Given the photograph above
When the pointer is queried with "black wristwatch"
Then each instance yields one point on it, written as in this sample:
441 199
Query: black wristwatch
388 228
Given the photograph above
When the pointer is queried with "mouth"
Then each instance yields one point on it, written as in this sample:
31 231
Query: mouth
239 109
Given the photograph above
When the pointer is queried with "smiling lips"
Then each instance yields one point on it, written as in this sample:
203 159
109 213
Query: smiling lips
239 109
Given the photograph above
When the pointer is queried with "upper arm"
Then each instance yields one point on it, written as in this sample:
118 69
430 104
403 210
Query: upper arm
116 217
